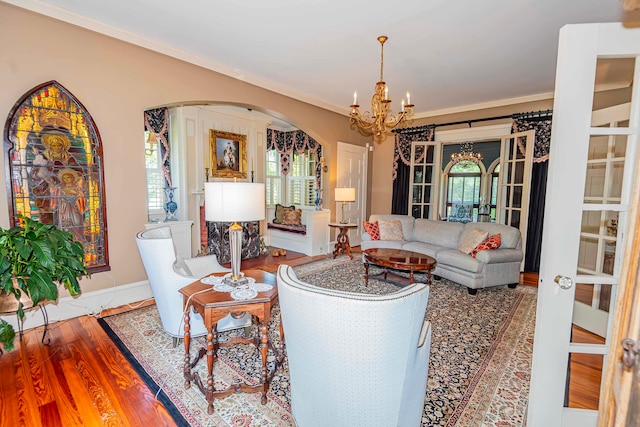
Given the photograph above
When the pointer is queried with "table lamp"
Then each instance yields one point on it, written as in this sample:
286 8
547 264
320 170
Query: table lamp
345 195
234 202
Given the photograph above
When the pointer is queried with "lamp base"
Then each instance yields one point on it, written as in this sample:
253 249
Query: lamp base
241 280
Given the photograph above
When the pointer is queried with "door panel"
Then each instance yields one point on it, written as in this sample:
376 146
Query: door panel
514 180
424 181
352 173
591 168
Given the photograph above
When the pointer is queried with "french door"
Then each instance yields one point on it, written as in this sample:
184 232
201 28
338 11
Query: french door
514 182
423 182
589 189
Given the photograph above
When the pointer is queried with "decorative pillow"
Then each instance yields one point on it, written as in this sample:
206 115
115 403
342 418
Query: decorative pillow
280 213
372 229
473 239
491 242
292 217
390 230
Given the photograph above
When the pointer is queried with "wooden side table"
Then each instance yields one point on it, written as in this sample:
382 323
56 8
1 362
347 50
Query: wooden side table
342 241
213 306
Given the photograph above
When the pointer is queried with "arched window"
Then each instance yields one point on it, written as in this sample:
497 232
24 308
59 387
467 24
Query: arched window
463 188
53 161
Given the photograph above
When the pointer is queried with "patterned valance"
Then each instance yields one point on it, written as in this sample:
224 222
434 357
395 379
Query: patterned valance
402 144
542 128
156 121
297 141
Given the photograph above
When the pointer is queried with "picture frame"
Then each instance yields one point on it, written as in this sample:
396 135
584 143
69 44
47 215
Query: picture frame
228 154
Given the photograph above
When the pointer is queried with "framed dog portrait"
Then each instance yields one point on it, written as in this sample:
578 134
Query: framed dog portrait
228 154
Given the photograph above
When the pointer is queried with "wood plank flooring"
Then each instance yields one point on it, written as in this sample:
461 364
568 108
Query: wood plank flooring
82 379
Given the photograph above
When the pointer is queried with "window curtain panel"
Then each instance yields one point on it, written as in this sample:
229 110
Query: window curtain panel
542 127
157 121
402 164
288 143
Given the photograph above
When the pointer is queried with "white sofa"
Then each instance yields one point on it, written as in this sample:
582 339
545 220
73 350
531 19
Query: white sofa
355 359
441 239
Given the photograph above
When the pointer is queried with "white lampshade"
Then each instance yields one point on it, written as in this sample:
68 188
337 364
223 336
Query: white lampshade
345 194
234 201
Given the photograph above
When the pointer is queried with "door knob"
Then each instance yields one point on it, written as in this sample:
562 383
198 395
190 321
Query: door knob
563 281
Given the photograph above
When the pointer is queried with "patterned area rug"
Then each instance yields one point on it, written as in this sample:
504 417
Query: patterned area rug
479 366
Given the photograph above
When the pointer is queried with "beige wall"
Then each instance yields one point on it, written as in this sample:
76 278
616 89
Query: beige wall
116 82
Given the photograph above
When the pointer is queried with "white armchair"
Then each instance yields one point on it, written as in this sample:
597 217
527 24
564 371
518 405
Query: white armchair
167 275
355 359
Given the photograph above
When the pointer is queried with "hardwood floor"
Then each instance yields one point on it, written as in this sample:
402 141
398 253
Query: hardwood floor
82 379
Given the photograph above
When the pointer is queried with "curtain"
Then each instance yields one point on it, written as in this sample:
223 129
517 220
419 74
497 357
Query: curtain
156 121
288 143
402 164
542 128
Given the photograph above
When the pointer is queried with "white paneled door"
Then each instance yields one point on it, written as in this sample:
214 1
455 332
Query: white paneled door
352 172
591 169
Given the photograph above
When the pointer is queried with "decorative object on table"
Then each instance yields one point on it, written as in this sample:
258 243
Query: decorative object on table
233 202
228 154
379 120
318 200
263 249
345 195
170 205
37 258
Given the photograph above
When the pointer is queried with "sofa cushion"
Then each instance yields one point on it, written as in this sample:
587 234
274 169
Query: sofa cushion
510 236
471 240
424 248
390 230
373 229
292 217
492 242
441 233
279 214
459 260
406 221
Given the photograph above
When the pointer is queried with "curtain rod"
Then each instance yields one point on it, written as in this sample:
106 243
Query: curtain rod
530 114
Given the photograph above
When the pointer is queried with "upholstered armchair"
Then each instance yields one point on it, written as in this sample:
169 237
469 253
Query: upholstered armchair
355 359
167 275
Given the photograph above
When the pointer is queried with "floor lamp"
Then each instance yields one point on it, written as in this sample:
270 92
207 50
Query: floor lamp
234 202
345 195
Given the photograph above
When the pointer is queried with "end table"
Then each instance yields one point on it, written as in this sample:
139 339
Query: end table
342 241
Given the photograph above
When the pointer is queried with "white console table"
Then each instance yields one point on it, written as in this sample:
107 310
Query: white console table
181 233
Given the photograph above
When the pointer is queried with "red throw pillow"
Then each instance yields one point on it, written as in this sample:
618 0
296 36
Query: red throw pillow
491 242
372 229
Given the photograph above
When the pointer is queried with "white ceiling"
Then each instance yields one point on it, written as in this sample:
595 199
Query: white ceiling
449 54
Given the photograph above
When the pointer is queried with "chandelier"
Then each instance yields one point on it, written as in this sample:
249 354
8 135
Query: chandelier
466 154
379 120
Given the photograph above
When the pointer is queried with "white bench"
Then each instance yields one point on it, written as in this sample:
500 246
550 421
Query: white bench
314 242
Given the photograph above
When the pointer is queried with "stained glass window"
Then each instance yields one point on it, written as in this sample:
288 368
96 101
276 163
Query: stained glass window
53 158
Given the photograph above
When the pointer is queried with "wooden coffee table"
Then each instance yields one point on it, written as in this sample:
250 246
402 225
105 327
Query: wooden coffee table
213 306
397 259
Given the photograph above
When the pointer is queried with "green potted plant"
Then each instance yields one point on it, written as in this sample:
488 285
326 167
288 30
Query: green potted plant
35 259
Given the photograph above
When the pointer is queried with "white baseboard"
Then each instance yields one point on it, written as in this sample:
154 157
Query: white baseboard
87 303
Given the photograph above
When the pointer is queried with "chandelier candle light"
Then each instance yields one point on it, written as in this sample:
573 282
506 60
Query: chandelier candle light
466 154
234 202
379 120
345 195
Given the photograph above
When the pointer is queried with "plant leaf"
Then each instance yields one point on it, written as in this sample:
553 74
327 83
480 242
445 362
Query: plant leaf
7 335
45 287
